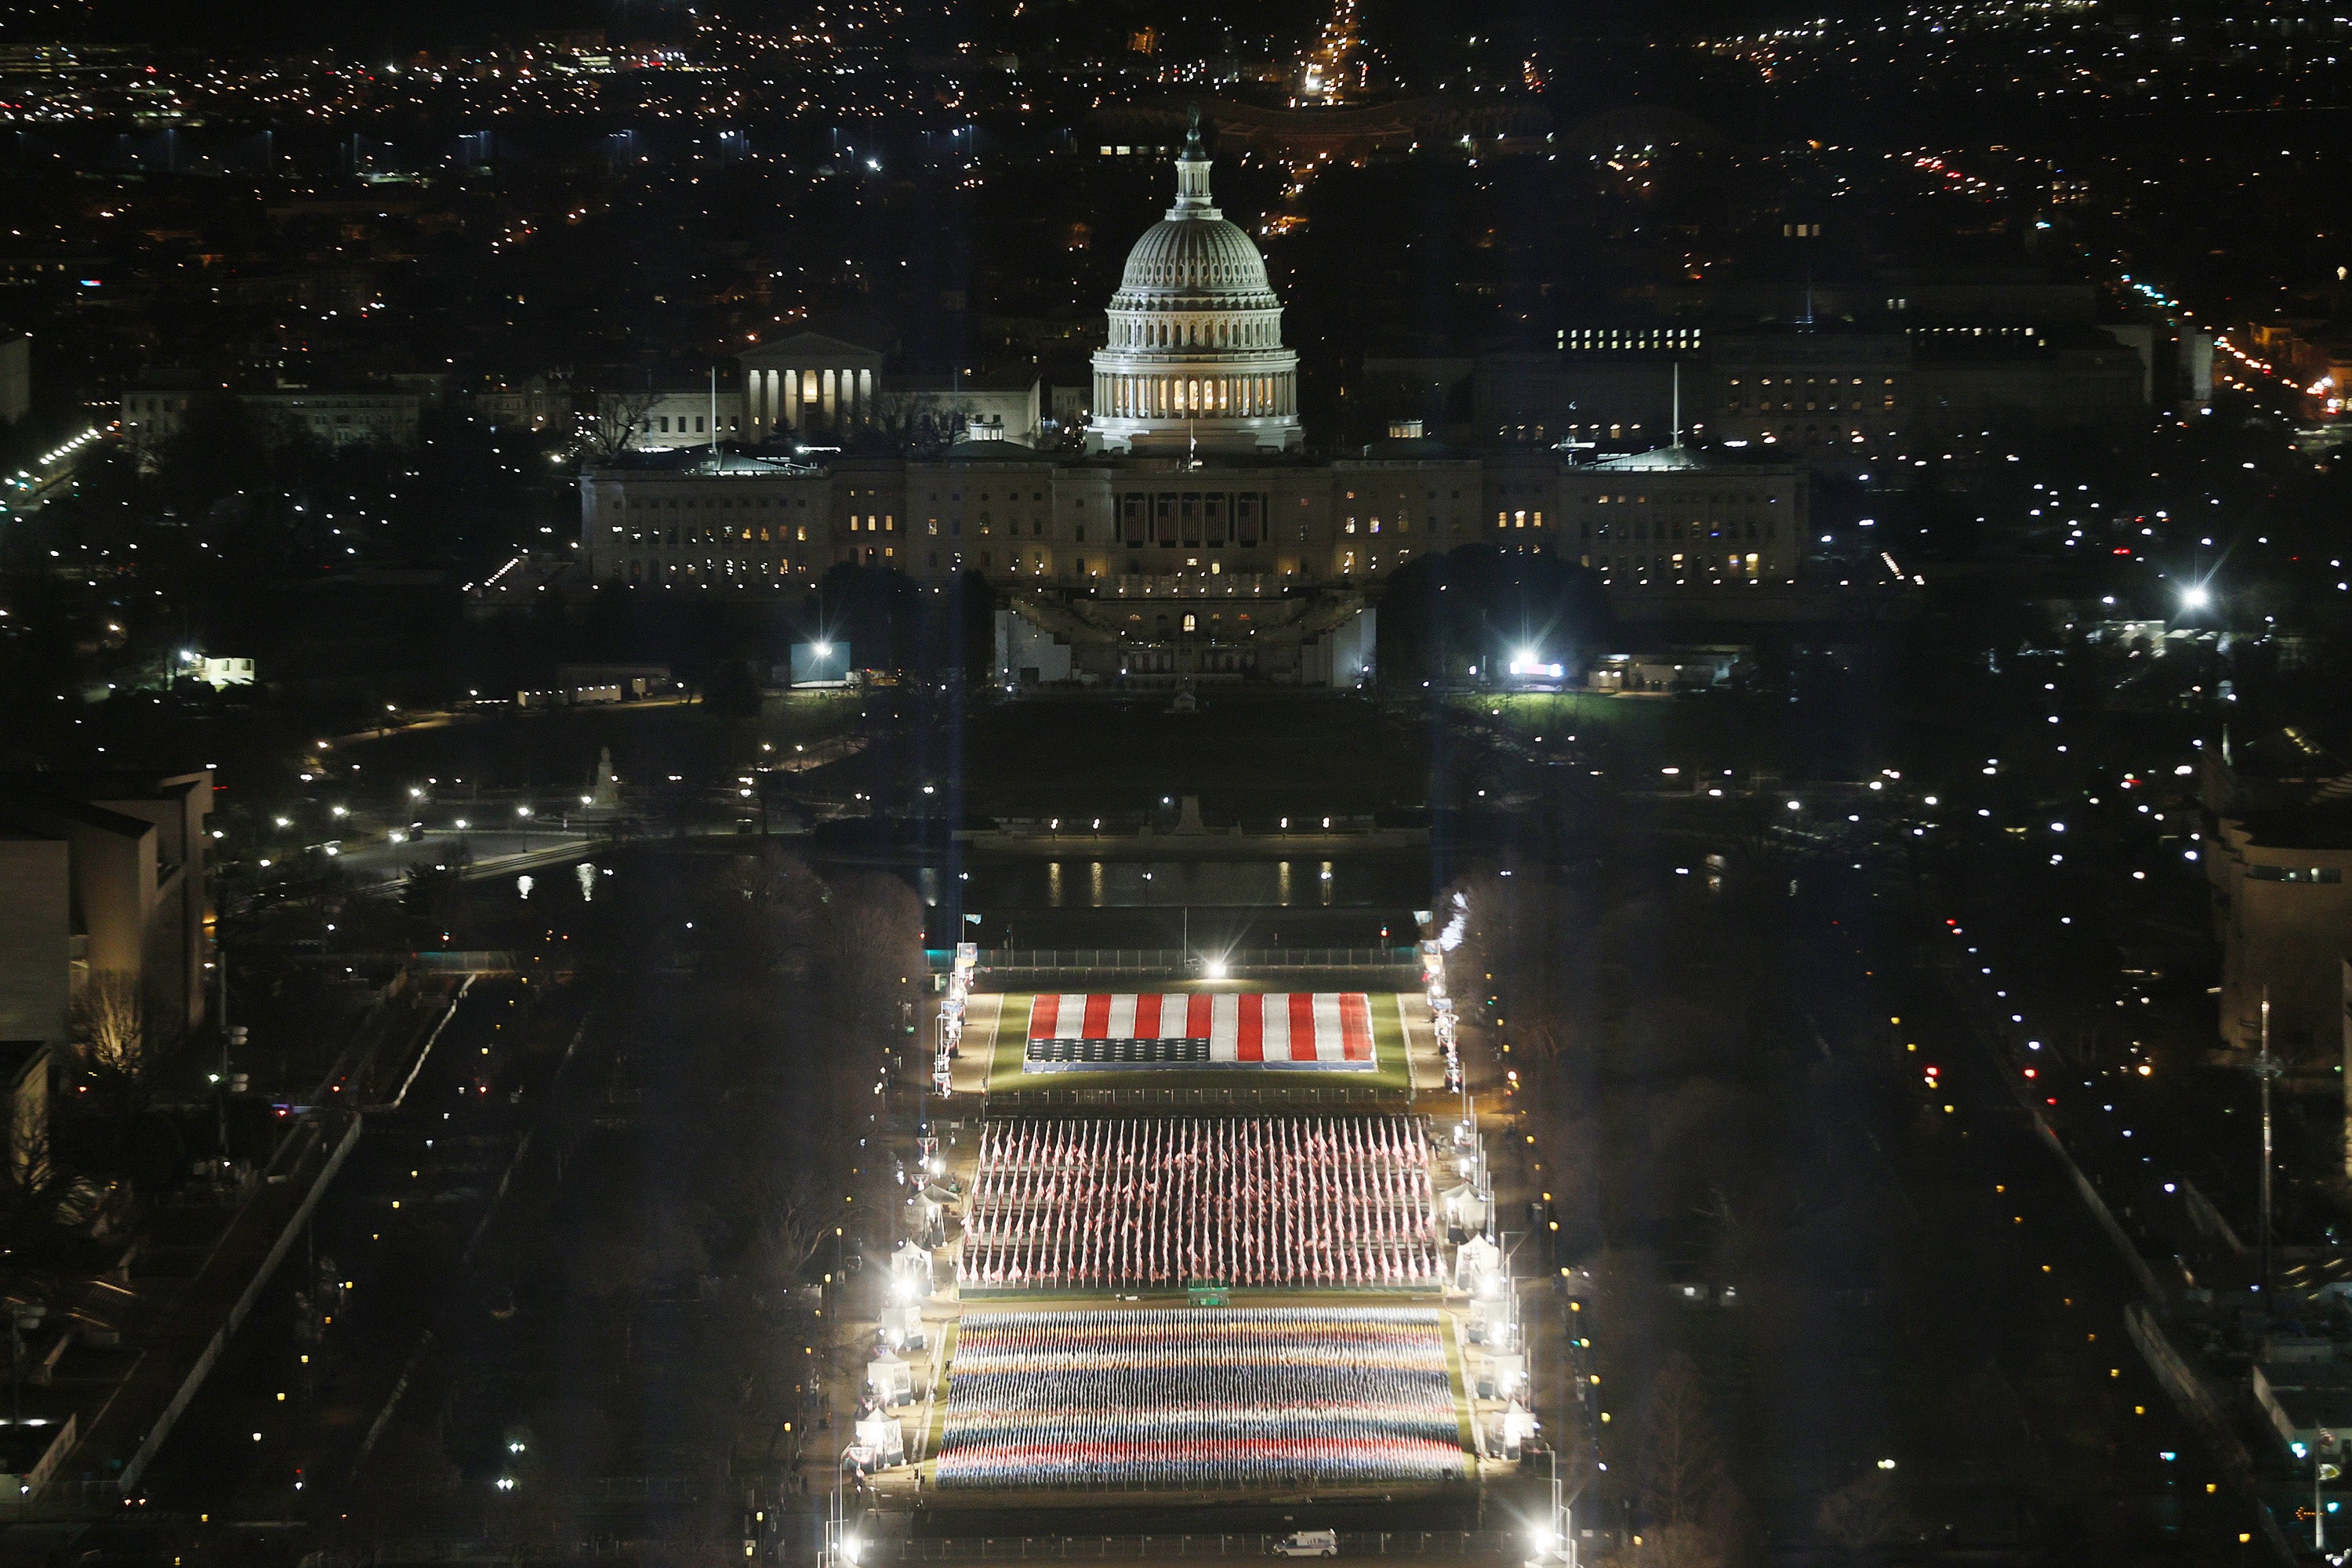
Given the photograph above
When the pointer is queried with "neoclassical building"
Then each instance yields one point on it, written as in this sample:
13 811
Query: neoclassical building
1192 534
1194 360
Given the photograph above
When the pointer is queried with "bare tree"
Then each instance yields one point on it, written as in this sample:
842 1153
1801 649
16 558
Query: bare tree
780 896
923 418
28 1139
871 941
1864 1515
111 1031
1681 1546
1682 1457
793 1221
619 419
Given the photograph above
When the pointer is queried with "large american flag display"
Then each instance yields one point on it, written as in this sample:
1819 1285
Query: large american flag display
1078 1032
1242 1396
1071 1202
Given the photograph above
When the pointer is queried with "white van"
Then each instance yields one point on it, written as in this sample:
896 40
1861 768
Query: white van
1308 1543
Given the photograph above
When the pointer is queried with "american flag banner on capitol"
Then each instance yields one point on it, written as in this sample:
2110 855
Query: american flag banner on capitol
1077 1032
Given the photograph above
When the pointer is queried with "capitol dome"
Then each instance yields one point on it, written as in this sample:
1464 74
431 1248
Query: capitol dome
1194 256
1194 356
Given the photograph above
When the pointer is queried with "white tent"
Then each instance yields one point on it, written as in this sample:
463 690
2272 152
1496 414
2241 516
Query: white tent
1509 1431
902 1327
1467 1208
881 1434
1476 1262
892 1380
1494 1321
910 1271
1501 1375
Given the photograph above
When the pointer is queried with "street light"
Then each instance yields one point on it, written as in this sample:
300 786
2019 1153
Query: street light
22 1317
841 1547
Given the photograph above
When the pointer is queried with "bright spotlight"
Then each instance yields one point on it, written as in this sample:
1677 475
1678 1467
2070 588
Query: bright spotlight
2195 597
1216 969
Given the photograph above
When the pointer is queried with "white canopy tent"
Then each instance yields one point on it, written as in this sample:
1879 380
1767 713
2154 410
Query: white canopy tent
881 1434
902 1327
891 1379
1477 1266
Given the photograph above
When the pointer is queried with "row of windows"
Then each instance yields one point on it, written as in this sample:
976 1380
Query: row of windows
1222 332
657 571
1740 498
1194 517
1575 338
676 538
639 503
1787 405
1678 564
1191 519
1819 392
1676 530
659 424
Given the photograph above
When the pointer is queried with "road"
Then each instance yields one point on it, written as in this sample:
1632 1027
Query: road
278 1432
2015 1272
504 852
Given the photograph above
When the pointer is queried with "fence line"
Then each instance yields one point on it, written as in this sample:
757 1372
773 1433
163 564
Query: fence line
1179 961
1253 1098
1015 1548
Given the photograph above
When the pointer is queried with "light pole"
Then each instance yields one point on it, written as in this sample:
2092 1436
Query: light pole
2266 1069
1562 1527
2322 1472
840 1552
23 1316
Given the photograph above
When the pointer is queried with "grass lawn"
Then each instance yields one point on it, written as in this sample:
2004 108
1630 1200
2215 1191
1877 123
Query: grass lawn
1389 1070
939 1422
556 749
1710 733
1250 754
1464 1417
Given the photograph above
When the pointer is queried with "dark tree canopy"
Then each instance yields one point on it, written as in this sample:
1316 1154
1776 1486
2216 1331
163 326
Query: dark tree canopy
1444 614
891 622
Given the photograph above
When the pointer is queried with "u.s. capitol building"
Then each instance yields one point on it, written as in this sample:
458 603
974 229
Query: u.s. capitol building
1193 532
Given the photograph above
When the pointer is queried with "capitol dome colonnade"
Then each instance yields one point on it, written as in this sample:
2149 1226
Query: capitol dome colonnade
1195 357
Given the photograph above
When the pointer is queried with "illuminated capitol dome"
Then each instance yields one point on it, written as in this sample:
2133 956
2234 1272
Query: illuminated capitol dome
1196 355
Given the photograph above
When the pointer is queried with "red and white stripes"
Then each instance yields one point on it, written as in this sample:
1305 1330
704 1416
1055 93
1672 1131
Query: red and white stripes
1327 1028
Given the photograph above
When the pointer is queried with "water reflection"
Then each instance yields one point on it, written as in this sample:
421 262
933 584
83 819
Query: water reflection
1137 884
